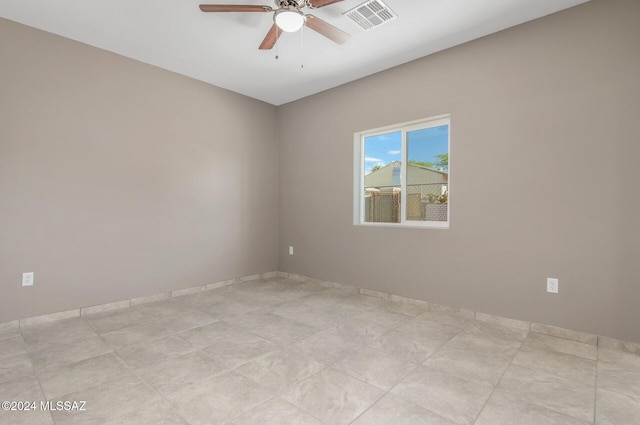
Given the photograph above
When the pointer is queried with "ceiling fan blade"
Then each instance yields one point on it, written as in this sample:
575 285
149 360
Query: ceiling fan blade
324 28
321 3
234 8
271 38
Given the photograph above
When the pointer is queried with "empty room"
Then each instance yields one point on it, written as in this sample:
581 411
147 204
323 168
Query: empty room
320 212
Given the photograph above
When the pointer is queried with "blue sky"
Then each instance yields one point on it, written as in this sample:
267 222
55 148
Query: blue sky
423 145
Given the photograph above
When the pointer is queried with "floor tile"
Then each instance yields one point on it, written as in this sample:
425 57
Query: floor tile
202 299
154 412
333 397
452 320
619 371
404 308
539 342
25 388
106 402
61 354
9 333
84 374
149 352
189 320
114 320
573 368
430 329
496 333
456 311
506 409
12 346
218 400
176 372
440 391
368 300
616 409
38 337
325 347
307 315
618 345
276 411
253 295
549 391
296 290
336 301
478 357
384 316
134 334
279 329
14 366
375 367
229 308
503 321
210 334
251 319
359 331
565 333
162 309
415 341
241 348
280 369
393 410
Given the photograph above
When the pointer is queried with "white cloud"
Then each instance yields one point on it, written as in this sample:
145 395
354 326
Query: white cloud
394 152
377 161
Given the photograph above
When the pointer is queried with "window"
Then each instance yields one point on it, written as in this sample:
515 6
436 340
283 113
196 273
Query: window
402 175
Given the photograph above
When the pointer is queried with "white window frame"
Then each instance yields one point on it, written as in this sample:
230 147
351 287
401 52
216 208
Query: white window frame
359 167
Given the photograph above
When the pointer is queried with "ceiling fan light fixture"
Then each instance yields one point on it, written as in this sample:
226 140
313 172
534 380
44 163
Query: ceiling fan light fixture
289 20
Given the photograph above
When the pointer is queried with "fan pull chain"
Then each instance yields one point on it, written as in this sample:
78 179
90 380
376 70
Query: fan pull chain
277 44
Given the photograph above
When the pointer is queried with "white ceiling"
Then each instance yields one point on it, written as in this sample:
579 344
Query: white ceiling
222 48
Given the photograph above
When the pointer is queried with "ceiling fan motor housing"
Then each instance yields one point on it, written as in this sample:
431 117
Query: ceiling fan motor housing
296 4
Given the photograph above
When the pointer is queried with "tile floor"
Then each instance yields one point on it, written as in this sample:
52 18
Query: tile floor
288 352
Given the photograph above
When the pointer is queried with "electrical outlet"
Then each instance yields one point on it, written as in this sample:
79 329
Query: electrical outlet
552 285
291 250
27 279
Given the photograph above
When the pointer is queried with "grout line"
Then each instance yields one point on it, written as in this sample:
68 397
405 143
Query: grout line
230 421
296 383
499 380
417 366
135 373
44 397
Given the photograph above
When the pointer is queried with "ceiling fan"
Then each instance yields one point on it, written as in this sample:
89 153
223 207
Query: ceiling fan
288 17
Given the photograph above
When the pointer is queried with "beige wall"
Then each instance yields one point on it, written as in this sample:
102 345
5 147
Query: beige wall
119 180
544 175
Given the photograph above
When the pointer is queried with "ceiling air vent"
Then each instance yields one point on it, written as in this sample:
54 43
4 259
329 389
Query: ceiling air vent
371 14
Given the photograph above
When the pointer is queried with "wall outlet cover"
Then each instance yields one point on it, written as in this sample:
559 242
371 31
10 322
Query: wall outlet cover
552 285
27 279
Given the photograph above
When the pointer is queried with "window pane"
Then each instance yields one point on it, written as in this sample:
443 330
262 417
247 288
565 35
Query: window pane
428 174
382 154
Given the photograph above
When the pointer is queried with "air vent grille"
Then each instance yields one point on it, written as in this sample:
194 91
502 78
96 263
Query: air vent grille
371 14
